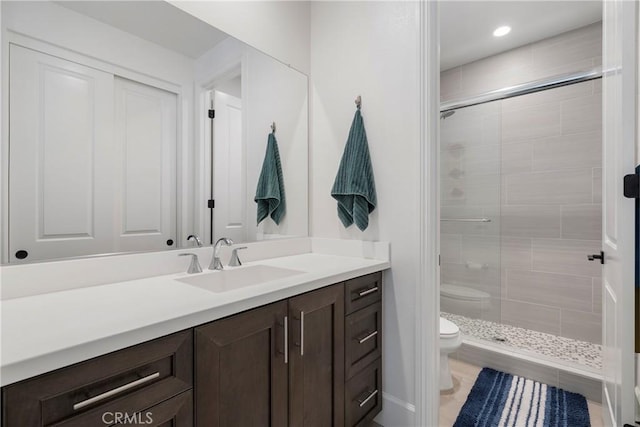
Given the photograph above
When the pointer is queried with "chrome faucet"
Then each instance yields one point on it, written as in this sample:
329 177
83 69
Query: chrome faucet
216 264
194 267
235 260
196 238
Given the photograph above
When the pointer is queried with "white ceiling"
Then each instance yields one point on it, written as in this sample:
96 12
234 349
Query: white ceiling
155 21
466 27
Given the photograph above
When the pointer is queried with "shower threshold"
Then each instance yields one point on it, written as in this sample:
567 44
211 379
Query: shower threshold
567 353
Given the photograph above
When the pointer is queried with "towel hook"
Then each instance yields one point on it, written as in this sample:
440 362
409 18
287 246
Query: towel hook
273 127
358 102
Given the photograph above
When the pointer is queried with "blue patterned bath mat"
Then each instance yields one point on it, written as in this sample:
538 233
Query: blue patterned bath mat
499 399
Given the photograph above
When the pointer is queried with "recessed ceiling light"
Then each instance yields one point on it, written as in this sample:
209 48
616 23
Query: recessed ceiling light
502 31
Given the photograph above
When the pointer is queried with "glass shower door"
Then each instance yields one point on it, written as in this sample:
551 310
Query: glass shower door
470 176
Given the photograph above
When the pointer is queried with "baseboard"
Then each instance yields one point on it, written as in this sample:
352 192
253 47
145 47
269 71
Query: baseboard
396 412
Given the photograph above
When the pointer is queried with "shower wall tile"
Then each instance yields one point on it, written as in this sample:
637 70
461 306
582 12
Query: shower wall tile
557 187
450 84
582 222
597 185
572 47
583 150
517 158
582 115
554 290
531 221
486 280
531 316
597 294
566 257
450 248
538 121
546 97
576 50
581 325
516 253
481 250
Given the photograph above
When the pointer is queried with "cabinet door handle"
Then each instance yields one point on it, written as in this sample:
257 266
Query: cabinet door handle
364 401
115 391
302 333
286 339
368 337
368 291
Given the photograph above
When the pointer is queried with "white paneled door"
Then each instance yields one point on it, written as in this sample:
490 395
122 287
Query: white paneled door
229 183
145 127
60 138
619 134
92 160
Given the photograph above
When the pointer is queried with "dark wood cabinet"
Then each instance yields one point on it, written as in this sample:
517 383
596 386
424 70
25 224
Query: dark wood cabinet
316 372
277 365
241 371
313 360
124 382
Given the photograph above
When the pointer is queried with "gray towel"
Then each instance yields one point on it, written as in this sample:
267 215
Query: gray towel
354 187
270 192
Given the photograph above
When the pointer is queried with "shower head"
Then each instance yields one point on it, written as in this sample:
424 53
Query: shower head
446 114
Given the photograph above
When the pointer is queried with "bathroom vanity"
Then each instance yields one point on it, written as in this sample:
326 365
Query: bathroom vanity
312 358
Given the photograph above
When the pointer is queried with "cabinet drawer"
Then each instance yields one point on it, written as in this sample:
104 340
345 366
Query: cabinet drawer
362 291
363 395
129 380
363 333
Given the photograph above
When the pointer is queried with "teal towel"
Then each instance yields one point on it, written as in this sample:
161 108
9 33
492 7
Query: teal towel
270 192
354 187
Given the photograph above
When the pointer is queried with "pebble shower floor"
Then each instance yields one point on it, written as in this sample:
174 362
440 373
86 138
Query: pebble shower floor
555 347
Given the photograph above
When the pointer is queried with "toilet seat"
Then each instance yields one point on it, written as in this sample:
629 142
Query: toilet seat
448 328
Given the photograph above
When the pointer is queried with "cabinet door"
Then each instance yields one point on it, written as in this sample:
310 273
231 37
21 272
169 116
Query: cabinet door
316 373
241 372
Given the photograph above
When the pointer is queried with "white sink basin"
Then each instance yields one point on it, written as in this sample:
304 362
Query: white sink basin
232 279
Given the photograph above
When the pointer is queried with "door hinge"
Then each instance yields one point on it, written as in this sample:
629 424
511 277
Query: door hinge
632 186
211 203
212 114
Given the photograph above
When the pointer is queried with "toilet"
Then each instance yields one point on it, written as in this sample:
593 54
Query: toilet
464 301
450 341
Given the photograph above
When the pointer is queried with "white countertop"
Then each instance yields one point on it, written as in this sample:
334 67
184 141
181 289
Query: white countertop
44 332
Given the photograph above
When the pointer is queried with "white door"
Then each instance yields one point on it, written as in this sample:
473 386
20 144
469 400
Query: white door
145 168
60 144
620 117
229 183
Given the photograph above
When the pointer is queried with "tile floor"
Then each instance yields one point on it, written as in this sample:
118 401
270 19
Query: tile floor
464 376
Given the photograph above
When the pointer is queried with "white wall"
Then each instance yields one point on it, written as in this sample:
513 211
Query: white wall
372 49
278 28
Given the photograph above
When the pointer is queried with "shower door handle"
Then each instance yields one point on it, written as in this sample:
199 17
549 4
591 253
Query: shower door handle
594 257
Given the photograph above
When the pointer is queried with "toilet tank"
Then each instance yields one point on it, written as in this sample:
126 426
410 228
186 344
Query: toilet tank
464 301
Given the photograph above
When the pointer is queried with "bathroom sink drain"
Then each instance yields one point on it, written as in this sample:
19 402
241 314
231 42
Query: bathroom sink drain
499 339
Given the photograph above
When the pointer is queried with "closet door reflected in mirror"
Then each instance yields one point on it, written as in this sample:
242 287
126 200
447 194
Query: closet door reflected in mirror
92 160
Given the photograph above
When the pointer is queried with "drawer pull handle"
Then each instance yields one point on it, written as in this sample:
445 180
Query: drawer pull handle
368 398
286 339
115 391
368 337
302 333
368 291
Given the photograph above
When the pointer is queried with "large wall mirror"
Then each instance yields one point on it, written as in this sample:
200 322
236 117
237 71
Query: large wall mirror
128 126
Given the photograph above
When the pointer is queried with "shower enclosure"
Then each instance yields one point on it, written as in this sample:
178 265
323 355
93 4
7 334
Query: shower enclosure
520 212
